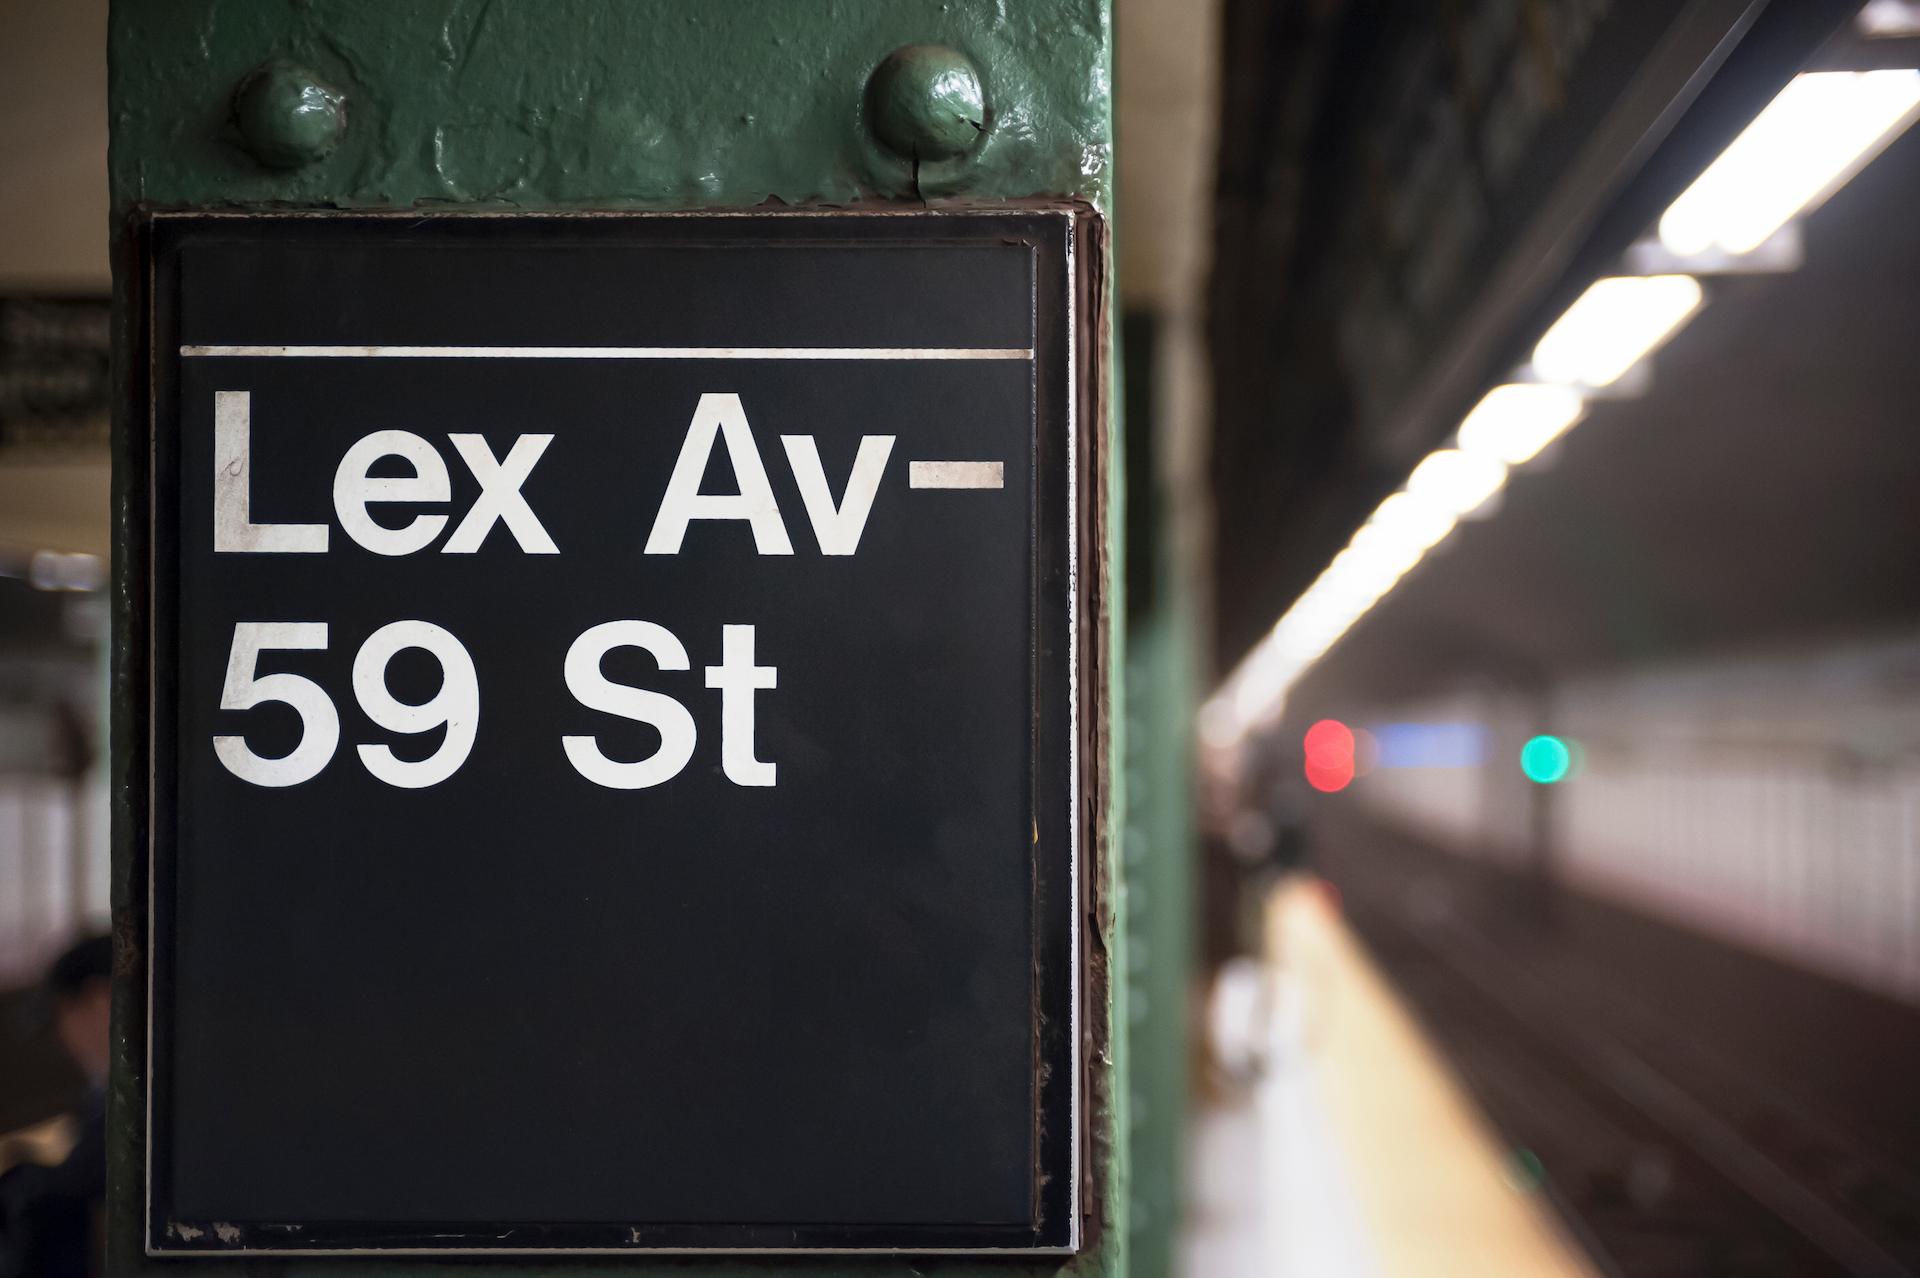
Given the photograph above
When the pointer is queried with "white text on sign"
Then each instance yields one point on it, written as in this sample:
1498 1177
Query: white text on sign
719 420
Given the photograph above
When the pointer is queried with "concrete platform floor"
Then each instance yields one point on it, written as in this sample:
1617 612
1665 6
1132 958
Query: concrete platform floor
1347 1149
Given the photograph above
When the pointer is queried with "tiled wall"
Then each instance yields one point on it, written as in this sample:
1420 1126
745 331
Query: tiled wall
1773 801
52 870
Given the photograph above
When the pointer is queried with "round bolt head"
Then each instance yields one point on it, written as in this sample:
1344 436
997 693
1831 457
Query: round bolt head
287 115
925 102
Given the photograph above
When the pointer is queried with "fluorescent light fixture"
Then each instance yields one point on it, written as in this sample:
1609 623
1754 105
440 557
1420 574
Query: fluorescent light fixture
1219 725
1512 423
1384 555
1386 548
1889 18
1815 134
1820 130
52 570
1456 482
1412 521
1615 324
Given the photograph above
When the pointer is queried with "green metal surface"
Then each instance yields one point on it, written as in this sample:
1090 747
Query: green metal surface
287 116
597 103
544 104
1159 906
1157 890
925 102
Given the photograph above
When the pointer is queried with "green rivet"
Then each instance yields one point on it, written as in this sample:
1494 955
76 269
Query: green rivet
287 115
925 102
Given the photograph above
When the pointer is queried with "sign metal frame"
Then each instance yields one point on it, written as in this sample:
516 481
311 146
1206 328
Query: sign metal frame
1068 554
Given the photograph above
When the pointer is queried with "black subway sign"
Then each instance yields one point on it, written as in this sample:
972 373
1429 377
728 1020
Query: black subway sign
615 732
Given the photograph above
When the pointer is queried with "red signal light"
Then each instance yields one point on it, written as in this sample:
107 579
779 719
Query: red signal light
1329 741
1329 749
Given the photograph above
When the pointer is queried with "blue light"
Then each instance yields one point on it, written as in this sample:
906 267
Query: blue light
1431 745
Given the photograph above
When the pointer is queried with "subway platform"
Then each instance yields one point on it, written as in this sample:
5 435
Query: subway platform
1349 1149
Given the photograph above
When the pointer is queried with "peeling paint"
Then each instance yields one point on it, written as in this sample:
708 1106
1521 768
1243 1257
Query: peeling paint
226 1233
578 102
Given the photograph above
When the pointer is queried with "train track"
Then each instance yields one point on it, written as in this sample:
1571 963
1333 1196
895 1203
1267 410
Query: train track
1667 1155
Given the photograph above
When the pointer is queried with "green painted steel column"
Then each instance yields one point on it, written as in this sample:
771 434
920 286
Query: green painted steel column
1159 906
581 104
1158 884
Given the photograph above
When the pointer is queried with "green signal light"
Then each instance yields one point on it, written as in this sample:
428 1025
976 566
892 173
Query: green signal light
1546 760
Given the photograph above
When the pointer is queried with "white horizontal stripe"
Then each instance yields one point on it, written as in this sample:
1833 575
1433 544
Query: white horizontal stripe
612 352
953 474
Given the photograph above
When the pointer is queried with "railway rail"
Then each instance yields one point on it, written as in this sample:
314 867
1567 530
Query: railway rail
1669 1142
